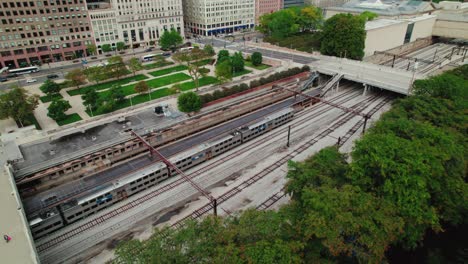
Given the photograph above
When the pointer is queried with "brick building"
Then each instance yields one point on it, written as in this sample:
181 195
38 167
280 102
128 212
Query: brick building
35 32
266 7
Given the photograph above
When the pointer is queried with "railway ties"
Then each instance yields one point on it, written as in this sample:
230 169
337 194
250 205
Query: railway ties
76 231
271 200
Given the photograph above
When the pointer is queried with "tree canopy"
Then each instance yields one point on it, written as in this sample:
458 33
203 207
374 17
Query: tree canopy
223 71
344 35
256 58
76 77
189 102
17 104
57 109
191 59
285 22
135 65
170 39
50 87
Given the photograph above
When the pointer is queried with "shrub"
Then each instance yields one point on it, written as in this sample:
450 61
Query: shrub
243 87
305 68
217 94
254 83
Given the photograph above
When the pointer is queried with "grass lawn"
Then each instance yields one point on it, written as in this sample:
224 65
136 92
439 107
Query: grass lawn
69 119
203 62
202 82
304 41
259 67
177 68
236 74
49 98
107 85
154 83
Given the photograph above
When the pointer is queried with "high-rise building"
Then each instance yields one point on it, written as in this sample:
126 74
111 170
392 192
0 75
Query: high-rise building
291 3
325 3
266 6
136 23
210 17
37 32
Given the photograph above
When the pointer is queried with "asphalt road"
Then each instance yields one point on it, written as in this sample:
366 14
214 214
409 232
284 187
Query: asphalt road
98 180
239 45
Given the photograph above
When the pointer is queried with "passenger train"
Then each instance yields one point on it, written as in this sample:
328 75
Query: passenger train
104 196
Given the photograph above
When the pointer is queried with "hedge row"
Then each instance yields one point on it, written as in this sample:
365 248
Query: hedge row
218 94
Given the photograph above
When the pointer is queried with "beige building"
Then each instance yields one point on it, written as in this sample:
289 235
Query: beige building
384 8
136 23
452 20
385 34
212 17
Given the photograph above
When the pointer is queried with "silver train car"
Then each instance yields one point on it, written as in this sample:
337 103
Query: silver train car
106 195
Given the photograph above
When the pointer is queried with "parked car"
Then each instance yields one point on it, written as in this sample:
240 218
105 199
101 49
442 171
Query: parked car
52 76
3 79
149 49
12 75
31 80
166 54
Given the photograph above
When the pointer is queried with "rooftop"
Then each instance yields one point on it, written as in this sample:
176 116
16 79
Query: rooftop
21 248
43 154
386 7
380 23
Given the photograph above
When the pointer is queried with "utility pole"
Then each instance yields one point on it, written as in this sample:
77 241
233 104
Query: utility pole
289 134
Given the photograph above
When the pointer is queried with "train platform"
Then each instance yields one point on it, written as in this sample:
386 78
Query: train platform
20 248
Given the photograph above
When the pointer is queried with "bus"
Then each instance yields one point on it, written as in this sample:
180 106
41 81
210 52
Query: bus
4 69
24 70
149 57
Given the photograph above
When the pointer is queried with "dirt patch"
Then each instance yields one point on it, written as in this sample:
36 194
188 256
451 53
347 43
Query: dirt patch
167 216
114 242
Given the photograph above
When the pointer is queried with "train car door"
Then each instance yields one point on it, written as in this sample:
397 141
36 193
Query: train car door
209 154
122 194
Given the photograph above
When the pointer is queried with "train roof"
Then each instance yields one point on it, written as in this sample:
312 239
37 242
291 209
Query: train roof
270 117
123 181
35 221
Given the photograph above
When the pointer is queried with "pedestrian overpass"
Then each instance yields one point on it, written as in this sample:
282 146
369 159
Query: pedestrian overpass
370 75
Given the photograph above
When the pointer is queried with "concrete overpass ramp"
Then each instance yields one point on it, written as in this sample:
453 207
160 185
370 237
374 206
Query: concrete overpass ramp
384 77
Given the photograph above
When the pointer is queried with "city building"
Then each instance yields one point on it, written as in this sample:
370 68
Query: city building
452 20
384 8
291 3
38 32
136 23
212 17
385 34
266 6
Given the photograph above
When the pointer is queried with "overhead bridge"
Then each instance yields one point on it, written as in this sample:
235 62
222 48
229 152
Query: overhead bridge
332 83
370 75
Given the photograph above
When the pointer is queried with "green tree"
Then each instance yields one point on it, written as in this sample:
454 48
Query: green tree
106 48
76 77
116 68
95 74
120 45
170 39
223 71
189 102
238 62
57 109
50 87
142 87
344 35
135 65
208 49
116 94
91 49
283 24
257 58
190 58
17 104
90 98
310 17
222 55
368 16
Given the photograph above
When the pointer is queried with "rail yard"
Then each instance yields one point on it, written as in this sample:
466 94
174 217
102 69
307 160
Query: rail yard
232 160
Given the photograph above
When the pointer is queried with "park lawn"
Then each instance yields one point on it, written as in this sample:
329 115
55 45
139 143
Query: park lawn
236 74
203 62
202 82
259 67
138 99
304 41
177 68
107 85
49 98
153 83
69 119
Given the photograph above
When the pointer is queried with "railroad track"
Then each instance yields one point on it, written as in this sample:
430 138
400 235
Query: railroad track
272 167
97 221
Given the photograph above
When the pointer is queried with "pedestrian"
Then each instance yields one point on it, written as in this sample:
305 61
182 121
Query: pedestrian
7 238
